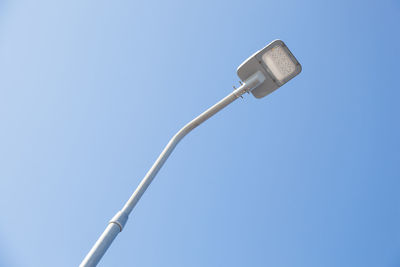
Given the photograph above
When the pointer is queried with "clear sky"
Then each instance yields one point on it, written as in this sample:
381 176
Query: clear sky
91 92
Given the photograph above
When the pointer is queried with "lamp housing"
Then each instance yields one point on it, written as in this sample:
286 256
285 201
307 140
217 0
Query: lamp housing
276 63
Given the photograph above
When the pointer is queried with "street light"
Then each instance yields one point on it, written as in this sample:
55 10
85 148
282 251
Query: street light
263 72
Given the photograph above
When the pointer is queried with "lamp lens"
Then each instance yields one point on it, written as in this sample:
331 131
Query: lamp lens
279 63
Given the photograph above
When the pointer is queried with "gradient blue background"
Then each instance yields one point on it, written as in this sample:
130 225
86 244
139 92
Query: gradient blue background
91 91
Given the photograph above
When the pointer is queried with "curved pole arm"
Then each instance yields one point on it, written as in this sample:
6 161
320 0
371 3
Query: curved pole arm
118 222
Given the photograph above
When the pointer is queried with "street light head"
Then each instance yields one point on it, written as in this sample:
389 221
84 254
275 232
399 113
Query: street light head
276 63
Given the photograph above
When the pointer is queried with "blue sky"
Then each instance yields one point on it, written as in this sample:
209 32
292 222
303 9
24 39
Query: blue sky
91 92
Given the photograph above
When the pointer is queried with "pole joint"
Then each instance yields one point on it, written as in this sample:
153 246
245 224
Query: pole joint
120 219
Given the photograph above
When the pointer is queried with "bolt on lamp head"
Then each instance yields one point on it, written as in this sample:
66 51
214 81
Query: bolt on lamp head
275 62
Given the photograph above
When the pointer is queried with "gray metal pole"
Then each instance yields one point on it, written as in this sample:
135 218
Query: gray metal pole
118 222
